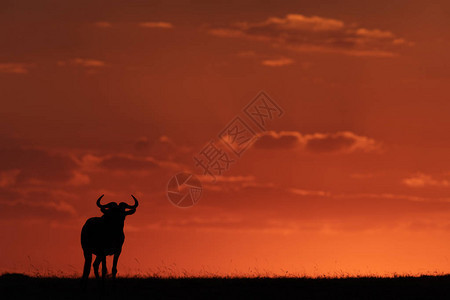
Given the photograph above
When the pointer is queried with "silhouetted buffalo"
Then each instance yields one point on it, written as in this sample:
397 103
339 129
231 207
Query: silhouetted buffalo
104 236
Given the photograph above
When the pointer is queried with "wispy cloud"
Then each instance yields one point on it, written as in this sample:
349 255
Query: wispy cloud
37 204
279 62
25 165
128 163
83 62
163 25
316 34
15 68
303 192
340 142
423 180
103 24
8 177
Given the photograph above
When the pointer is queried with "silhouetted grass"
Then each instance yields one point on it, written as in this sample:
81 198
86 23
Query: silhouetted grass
18 286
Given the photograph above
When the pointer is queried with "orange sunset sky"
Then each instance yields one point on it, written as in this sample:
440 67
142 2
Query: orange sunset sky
116 97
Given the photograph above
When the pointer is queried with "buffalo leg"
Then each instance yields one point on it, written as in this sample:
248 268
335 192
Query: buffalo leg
97 261
104 270
87 267
114 267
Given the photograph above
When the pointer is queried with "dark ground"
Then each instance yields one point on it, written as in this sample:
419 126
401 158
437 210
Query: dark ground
17 286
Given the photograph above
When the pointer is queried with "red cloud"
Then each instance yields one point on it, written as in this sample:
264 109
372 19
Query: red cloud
128 163
33 164
422 180
164 25
14 68
316 34
277 62
83 62
344 142
282 140
35 204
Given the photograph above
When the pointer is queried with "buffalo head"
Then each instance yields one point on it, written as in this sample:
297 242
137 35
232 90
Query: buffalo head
114 210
